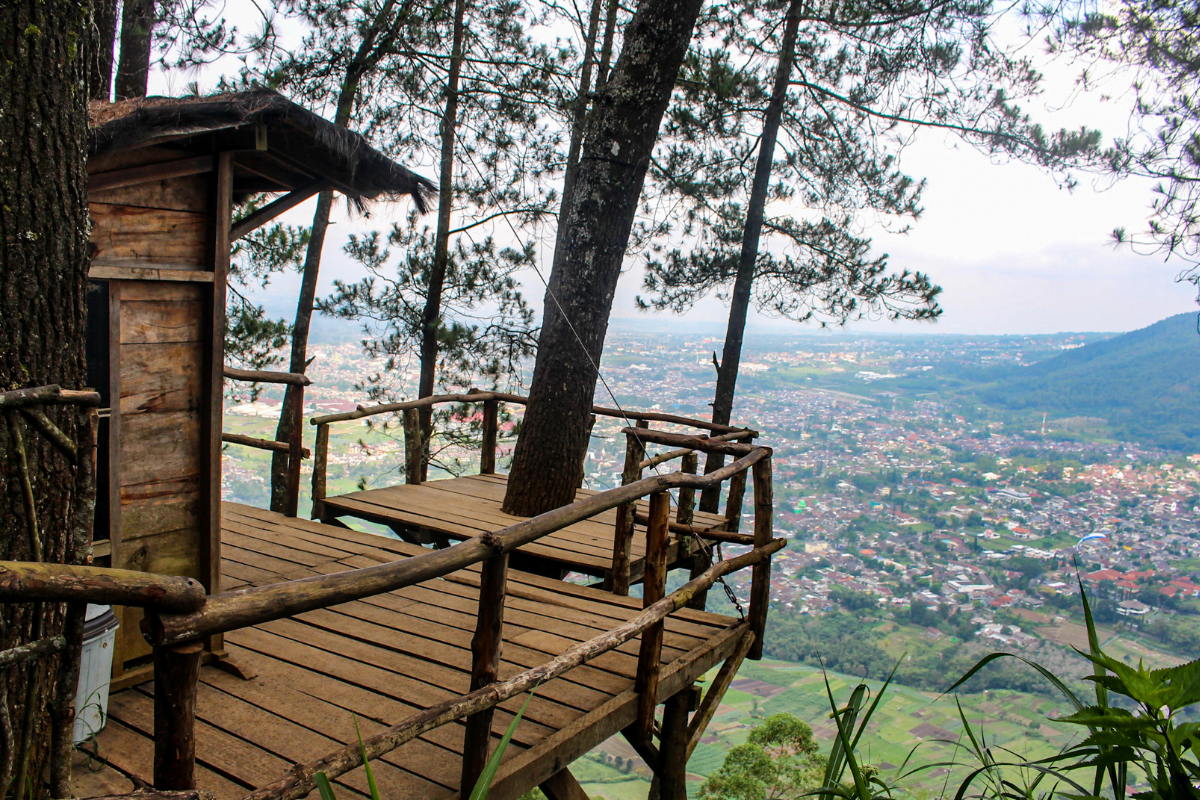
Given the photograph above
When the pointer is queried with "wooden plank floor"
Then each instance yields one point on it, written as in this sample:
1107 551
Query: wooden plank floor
380 660
461 508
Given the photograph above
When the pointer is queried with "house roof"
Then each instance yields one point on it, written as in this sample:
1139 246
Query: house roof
281 145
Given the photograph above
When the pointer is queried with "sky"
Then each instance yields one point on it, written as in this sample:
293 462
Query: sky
1013 252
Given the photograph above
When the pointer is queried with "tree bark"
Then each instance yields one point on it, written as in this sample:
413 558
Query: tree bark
431 315
621 131
739 303
137 39
45 50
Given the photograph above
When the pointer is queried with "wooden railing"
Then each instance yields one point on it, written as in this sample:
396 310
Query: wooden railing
175 625
489 402
293 447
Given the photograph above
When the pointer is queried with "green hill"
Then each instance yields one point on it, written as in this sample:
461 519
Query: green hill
1145 383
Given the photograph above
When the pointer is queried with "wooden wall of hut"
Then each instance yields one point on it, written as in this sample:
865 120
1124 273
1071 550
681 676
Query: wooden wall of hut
158 263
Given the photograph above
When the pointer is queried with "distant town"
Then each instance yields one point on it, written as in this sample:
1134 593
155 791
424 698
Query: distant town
892 499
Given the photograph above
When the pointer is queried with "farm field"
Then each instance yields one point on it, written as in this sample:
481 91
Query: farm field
906 719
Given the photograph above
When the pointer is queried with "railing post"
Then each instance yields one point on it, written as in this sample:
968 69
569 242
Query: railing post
673 742
626 514
733 503
413 454
176 676
491 430
320 470
687 496
295 455
653 589
485 666
760 580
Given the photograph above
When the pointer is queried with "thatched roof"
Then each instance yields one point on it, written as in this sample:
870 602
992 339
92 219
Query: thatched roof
299 146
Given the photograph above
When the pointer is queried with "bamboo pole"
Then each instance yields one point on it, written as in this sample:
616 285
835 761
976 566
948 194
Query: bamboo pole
24 581
491 430
653 586
253 606
760 581
176 680
299 780
320 475
485 666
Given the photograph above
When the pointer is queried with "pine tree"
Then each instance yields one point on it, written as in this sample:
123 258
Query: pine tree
620 134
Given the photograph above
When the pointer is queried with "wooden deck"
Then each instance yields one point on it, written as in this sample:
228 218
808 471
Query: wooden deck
460 508
381 659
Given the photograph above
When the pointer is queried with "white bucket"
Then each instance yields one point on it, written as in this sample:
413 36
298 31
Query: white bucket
95 671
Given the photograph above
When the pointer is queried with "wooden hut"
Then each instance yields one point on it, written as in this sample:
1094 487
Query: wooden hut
165 176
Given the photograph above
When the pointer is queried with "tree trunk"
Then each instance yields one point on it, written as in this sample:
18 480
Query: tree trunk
101 78
363 61
621 131
431 316
137 38
299 358
45 50
739 303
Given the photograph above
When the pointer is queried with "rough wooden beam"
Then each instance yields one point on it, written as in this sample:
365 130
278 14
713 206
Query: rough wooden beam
563 786
176 680
261 444
716 692
320 471
491 431
485 666
653 586
24 581
53 395
264 376
622 552
151 172
272 210
760 580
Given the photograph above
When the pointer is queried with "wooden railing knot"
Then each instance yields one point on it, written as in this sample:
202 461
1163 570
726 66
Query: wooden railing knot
490 540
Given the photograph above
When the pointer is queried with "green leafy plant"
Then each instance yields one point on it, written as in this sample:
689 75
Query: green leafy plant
846 775
482 786
1165 751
